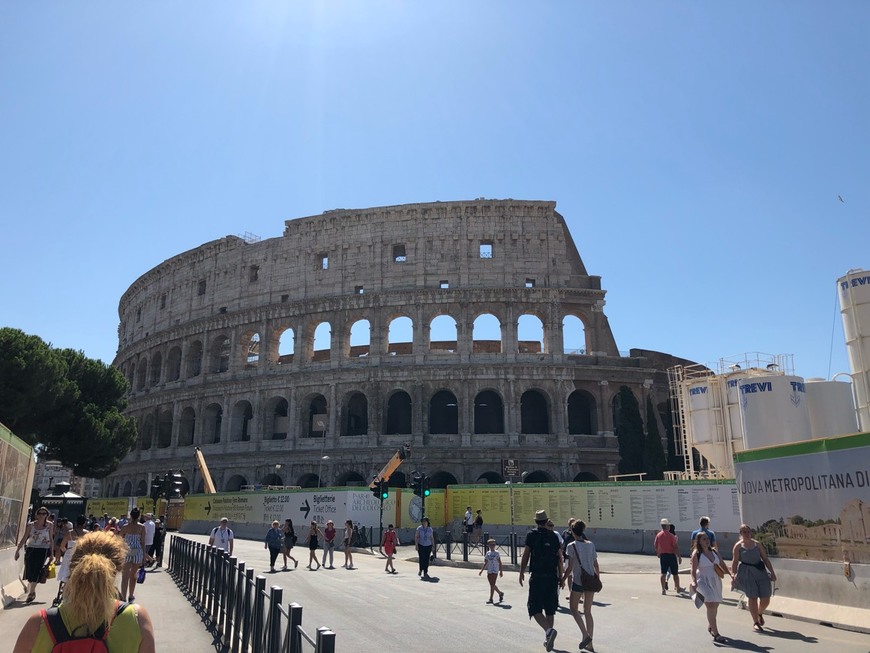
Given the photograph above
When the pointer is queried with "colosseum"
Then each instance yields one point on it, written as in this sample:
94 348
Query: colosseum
470 331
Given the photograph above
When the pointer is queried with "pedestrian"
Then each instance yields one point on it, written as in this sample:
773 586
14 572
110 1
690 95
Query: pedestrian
673 531
704 524
348 540
159 539
667 549
585 580
707 581
543 558
91 608
389 544
67 546
753 574
61 527
478 528
289 542
468 522
222 536
274 541
552 527
492 565
314 533
134 535
39 537
424 540
329 534
150 528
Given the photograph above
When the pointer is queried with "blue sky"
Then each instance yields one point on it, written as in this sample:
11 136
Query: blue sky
696 149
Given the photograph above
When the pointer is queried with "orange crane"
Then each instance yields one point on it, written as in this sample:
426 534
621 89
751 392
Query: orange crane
391 466
207 483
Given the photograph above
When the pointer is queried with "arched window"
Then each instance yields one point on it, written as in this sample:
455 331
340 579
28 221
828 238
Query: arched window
234 483
400 336
398 414
322 342
220 355
240 425
353 479
128 489
143 375
534 413
164 430
277 412
442 480
581 413
530 335
252 350
442 335
488 413
286 346
486 335
360 339
194 359
443 414
173 364
491 477
211 424
357 415
315 407
186 427
147 431
141 489
573 336
156 365
538 476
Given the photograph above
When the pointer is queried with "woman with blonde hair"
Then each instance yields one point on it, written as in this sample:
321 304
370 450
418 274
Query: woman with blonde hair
90 607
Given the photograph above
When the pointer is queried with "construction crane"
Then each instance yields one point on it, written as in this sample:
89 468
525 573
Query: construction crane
207 483
391 466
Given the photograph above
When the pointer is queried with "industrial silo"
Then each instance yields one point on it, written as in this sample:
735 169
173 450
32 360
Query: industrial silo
831 408
854 293
774 409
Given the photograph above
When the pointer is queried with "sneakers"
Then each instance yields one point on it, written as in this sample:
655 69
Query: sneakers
551 637
500 597
295 564
664 592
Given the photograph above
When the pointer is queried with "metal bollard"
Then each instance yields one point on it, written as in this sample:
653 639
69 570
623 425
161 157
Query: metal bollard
294 624
448 544
273 634
465 547
325 641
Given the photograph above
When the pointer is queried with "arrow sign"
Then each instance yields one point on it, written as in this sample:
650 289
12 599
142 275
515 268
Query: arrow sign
306 509
208 508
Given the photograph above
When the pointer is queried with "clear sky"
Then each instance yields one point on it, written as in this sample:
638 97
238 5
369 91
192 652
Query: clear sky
696 149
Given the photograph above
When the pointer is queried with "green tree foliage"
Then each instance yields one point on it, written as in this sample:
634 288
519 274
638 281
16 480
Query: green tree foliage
629 432
69 404
653 453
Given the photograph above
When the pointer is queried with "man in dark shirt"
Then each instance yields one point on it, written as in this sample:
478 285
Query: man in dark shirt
542 555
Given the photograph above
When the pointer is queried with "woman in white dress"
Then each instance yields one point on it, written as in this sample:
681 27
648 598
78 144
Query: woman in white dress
68 544
707 582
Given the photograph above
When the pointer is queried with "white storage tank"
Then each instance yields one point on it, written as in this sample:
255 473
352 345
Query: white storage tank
774 409
854 293
700 401
831 408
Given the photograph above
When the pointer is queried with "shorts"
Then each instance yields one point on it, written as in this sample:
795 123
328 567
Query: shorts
543 595
469 528
668 562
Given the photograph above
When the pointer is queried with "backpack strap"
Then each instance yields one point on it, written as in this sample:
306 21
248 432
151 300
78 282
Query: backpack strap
55 626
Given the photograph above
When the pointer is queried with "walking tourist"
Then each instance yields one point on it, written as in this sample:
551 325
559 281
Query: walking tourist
329 534
389 544
704 524
424 540
222 536
150 529
314 533
159 539
585 580
133 534
39 537
707 573
274 541
468 521
478 528
668 552
543 557
492 565
67 546
348 541
289 542
753 574
91 608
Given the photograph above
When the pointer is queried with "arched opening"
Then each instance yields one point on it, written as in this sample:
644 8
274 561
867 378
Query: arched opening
194 359
308 480
442 479
443 413
156 367
534 413
141 489
272 479
164 430
586 477
490 477
147 432
488 413
538 477
443 335
486 335
352 479
240 423
117 490
143 375
360 339
286 346
530 335
400 336
315 406
173 364
398 413
219 355
234 483
252 351
278 418
573 336
200 487
186 427
356 415
211 425
128 489
581 413
398 479
131 376
322 342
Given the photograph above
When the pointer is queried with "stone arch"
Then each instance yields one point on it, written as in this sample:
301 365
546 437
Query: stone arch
488 412
491 477
350 478
194 359
443 334
164 430
399 414
356 415
285 345
586 477
574 336
538 476
128 489
530 334
321 342
272 479
534 412
142 374
141 489
219 355
277 419
212 418
147 432
173 364
398 479
308 481
486 335
240 421
117 490
400 336
131 376
251 350
186 427
443 413
582 413
359 339
234 483
156 369
442 479
311 406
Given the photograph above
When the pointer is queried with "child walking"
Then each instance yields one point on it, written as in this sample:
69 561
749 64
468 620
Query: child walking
492 564
389 544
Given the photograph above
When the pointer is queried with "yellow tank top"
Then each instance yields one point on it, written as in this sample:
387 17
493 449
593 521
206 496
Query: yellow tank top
124 635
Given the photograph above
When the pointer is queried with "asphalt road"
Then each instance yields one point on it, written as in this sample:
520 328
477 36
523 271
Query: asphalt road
374 612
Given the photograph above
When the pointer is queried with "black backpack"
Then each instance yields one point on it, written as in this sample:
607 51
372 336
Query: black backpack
545 552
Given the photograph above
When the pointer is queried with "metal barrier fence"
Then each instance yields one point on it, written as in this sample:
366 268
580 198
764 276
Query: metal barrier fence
244 614
450 546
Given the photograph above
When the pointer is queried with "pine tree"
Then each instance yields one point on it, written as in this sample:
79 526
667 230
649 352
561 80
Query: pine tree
653 453
629 432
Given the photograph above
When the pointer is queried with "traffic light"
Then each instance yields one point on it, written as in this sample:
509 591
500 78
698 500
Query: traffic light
384 491
425 487
176 487
156 488
417 484
376 489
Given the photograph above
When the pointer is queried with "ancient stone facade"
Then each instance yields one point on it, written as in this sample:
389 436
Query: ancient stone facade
469 330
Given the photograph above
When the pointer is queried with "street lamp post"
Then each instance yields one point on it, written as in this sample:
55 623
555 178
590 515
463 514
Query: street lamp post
320 471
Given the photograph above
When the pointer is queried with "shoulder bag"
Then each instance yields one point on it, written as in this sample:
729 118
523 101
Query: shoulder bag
590 582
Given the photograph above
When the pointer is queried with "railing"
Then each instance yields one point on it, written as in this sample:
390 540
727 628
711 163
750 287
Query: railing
244 615
450 546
